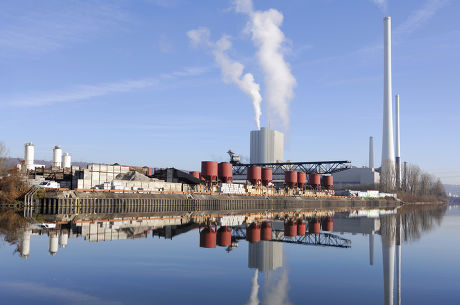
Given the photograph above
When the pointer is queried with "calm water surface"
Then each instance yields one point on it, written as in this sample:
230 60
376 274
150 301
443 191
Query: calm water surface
160 261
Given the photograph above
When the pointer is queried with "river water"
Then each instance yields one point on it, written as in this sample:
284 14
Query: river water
409 255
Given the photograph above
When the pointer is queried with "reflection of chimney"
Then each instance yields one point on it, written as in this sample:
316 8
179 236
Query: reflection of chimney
398 260
63 240
371 249
25 243
388 251
53 243
371 152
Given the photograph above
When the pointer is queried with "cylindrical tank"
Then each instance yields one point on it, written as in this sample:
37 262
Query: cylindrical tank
53 243
57 156
267 175
224 236
208 238
63 239
290 229
29 151
67 160
314 226
195 174
290 178
225 172
253 233
328 182
209 170
266 231
314 180
301 228
328 224
254 175
301 179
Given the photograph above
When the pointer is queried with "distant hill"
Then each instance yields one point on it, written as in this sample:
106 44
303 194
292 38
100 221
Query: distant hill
11 162
452 188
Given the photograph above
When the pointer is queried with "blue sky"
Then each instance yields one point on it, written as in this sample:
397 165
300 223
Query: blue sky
120 81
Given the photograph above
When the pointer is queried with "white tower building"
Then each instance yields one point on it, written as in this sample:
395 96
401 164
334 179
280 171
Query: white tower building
267 146
388 152
67 160
29 151
57 156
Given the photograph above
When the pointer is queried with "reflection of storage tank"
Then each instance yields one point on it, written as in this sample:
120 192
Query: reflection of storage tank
301 228
290 178
290 229
224 236
254 175
208 238
328 224
25 243
57 156
63 239
314 226
253 233
266 231
314 180
53 243
267 175
225 172
209 170
195 174
29 151
67 160
328 182
301 179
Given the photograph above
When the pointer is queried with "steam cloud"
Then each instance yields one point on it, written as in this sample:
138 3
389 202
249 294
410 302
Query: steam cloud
253 299
232 71
264 27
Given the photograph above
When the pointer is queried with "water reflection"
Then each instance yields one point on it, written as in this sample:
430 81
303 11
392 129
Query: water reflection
265 233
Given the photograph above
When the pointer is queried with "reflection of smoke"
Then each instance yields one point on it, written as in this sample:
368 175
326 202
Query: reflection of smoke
277 293
267 36
232 71
253 299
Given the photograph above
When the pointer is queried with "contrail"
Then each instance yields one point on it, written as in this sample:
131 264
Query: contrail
232 71
264 27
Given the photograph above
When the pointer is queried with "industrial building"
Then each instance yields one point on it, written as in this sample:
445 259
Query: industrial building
267 146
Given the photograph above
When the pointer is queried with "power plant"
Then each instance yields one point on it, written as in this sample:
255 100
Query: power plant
267 146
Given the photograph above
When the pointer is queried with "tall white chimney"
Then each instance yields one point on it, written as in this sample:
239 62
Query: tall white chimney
371 152
388 152
398 150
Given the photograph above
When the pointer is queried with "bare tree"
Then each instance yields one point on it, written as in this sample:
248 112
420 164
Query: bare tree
3 158
387 176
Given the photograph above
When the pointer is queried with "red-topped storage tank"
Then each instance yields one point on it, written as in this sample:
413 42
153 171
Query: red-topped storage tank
314 180
301 179
328 182
290 229
301 228
267 175
195 174
314 226
266 231
253 233
208 238
224 236
290 178
254 175
209 170
328 224
225 172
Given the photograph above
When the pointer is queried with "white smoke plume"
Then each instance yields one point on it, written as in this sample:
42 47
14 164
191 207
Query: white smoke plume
232 71
264 27
253 298
382 4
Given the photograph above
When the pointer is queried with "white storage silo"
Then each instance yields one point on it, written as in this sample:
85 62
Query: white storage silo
67 160
57 156
29 151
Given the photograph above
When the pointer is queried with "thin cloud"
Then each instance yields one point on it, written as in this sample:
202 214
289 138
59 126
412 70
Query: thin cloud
84 92
382 4
420 16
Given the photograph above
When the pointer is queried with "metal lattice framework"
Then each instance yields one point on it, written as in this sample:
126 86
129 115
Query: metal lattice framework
320 167
309 239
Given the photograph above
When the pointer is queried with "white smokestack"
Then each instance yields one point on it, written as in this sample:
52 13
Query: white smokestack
267 36
388 153
232 71
29 152
398 150
371 152
57 156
